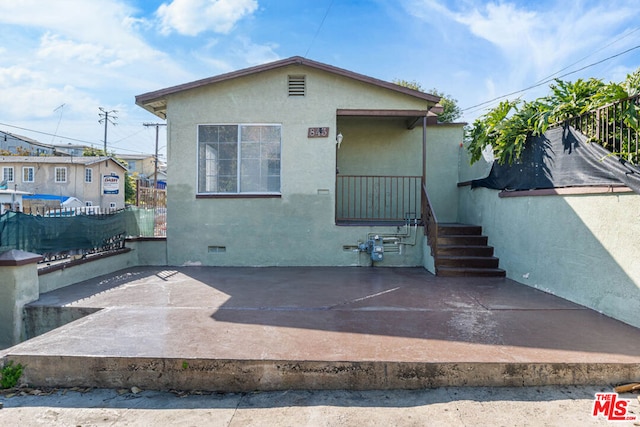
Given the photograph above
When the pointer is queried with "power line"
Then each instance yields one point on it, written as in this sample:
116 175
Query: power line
551 79
319 28
591 54
92 144
49 134
126 137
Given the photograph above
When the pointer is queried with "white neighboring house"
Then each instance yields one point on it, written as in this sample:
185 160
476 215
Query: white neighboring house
96 181
11 200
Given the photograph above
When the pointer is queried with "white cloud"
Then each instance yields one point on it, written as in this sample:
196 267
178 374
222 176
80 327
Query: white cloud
17 75
255 54
501 24
78 40
37 102
542 39
234 53
98 22
83 54
54 47
192 17
515 44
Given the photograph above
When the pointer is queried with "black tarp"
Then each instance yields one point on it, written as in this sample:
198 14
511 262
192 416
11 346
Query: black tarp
562 157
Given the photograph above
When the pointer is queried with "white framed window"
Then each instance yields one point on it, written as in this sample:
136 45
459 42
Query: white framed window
88 175
27 174
61 174
7 173
239 158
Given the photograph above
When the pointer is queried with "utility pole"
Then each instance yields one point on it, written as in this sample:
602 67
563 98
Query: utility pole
106 117
155 173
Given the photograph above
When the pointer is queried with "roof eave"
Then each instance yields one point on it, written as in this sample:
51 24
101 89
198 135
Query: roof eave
146 100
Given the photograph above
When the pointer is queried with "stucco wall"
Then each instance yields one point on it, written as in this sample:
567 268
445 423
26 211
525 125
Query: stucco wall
78 273
149 251
299 227
580 247
379 147
19 286
144 252
443 153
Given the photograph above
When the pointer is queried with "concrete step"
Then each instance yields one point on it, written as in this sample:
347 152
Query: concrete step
458 229
467 261
236 376
470 272
465 250
459 240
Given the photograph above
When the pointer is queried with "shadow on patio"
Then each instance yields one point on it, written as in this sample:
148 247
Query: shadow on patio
412 303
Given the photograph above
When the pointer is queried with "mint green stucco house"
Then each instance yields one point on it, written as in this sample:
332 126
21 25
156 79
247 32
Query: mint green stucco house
298 163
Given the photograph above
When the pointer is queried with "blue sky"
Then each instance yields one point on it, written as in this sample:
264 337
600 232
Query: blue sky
63 59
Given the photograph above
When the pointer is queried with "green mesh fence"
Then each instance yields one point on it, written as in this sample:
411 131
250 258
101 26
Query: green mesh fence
145 220
78 233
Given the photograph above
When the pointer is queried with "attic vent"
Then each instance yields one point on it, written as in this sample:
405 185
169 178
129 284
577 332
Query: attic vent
296 85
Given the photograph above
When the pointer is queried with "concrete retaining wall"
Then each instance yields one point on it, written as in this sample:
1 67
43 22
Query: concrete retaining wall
142 252
19 286
23 282
583 248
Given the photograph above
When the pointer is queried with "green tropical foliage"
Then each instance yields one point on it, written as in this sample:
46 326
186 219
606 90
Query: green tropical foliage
410 84
95 152
450 109
507 126
130 188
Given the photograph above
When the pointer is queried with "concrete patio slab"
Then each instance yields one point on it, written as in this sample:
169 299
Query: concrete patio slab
243 329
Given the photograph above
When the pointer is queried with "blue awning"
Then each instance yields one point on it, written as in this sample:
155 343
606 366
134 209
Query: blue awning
46 197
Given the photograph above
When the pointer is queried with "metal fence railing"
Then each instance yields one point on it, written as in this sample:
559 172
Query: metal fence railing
57 212
615 127
64 233
377 198
61 236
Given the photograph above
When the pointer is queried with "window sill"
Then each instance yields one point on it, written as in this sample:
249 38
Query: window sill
238 196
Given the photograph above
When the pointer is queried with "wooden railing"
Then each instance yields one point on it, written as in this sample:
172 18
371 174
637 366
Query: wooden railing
613 127
430 222
377 198
151 197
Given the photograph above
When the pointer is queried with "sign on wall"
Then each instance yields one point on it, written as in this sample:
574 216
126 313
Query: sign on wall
110 184
322 132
